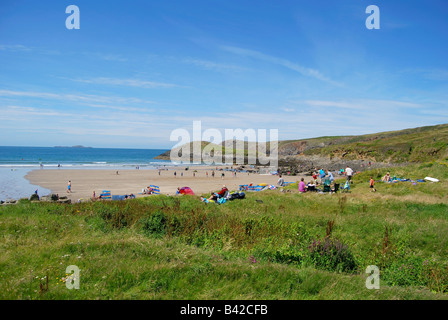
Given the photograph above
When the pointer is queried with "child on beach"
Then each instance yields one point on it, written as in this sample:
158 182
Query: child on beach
69 187
372 182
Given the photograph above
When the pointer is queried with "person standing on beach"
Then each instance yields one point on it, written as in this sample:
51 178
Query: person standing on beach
206 174
222 175
349 174
175 174
322 175
159 172
330 176
213 174
372 183
69 187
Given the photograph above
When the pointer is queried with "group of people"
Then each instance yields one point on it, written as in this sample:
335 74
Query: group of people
312 185
216 195
326 177
206 174
147 190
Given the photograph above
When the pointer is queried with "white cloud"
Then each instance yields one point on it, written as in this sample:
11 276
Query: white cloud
308 72
14 48
85 98
362 104
126 82
210 65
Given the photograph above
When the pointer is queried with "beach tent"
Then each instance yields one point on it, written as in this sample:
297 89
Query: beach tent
186 190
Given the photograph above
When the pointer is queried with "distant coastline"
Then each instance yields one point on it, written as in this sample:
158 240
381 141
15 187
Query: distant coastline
78 146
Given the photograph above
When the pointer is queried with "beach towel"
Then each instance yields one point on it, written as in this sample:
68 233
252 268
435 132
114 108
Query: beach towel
106 195
155 189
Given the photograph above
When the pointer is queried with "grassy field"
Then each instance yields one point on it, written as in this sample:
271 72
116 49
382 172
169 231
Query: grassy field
271 245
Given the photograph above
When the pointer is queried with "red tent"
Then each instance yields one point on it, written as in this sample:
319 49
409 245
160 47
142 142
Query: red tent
186 190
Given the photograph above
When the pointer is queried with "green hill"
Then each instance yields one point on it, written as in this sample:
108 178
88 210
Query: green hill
410 145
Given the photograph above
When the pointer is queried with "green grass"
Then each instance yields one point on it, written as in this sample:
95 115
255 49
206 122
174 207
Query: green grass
163 247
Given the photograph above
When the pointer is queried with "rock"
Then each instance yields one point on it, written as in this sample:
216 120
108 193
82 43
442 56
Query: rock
64 201
34 197
63 198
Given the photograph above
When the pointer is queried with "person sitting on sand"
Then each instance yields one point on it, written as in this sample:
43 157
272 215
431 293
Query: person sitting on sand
302 186
213 197
223 191
281 182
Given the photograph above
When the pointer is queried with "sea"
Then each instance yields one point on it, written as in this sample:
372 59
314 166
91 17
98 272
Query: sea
16 162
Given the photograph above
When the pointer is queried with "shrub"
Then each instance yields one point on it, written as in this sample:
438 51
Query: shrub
155 224
415 271
332 255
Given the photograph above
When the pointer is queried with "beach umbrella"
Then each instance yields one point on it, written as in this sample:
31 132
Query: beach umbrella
186 190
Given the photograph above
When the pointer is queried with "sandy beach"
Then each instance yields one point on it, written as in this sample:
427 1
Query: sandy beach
84 182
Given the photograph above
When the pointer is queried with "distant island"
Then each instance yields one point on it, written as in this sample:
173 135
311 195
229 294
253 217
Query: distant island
73 147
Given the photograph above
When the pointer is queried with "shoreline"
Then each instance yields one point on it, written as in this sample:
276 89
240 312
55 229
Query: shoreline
85 181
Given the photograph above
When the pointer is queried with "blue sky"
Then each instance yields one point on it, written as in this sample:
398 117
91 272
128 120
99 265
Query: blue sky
137 70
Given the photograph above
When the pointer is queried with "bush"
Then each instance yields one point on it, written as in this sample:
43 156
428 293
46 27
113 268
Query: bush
415 271
284 254
155 224
331 255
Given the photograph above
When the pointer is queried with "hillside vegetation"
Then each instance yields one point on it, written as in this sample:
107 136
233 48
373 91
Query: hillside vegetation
271 245
411 145
421 144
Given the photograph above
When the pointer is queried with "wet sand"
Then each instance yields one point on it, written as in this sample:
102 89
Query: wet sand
84 182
